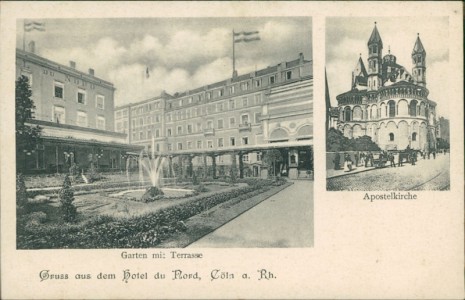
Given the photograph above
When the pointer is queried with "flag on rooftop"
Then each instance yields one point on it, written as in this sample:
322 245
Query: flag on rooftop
246 36
34 25
147 73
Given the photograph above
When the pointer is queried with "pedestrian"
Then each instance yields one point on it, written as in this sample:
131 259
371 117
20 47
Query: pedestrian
357 158
429 154
391 160
434 154
400 159
414 158
347 162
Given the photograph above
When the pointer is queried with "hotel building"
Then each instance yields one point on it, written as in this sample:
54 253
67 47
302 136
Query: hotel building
234 120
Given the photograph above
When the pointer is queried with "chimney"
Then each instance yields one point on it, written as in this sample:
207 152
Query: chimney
301 58
72 64
32 47
91 72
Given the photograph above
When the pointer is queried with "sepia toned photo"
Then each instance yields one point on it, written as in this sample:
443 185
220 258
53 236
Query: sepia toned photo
141 133
387 109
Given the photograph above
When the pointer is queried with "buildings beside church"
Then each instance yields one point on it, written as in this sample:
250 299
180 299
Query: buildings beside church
232 121
388 102
76 113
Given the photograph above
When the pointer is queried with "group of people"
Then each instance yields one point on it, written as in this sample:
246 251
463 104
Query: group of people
367 159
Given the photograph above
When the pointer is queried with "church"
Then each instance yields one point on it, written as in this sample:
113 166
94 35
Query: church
387 102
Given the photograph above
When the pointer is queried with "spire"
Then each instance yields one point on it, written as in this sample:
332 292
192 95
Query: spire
375 38
360 68
418 48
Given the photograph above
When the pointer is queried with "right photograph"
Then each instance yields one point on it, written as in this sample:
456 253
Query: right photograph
387 104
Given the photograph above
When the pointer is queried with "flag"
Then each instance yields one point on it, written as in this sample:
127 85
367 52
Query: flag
34 25
147 73
246 36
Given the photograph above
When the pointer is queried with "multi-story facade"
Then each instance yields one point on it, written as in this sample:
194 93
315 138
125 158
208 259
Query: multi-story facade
388 103
76 113
232 119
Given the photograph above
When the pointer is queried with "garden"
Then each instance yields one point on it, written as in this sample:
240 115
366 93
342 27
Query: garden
112 213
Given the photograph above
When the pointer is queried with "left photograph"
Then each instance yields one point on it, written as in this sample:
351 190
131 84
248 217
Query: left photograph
164 133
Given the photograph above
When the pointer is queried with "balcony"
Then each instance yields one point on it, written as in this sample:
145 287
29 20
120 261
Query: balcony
208 131
245 127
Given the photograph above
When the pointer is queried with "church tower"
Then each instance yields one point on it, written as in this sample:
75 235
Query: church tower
419 64
375 54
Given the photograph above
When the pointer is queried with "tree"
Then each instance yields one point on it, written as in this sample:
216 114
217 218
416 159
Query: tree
66 197
27 137
336 142
21 192
271 158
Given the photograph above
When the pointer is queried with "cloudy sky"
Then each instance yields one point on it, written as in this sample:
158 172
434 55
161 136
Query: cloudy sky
346 38
180 53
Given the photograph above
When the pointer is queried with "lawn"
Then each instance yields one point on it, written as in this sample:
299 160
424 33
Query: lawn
105 222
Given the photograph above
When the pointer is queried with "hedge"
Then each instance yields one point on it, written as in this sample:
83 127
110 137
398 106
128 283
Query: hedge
136 232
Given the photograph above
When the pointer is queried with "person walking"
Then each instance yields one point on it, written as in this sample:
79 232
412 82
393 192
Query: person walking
400 160
391 160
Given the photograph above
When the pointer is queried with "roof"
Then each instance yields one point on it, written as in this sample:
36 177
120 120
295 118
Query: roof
418 48
360 68
375 38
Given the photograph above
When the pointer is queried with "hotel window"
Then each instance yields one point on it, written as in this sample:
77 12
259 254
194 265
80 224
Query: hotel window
180 146
232 104
245 119
245 157
141 121
289 75
195 112
180 102
209 144
118 114
157 119
219 107
134 136
245 102
189 128
158 148
209 124
179 130
231 90
189 145
220 92
100 102
209 95
148 120
58 89
170 105
188 113
82 120
258 82
220 124
59 114
149 134
258 99
272 79
125 113
199 144
232 141
169 147
232 122
245 140
168 132
199 126
190 100
133 124
157 133
101 122
168 118
259 156
257 117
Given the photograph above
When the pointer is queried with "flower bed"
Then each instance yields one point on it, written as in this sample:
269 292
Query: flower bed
137 232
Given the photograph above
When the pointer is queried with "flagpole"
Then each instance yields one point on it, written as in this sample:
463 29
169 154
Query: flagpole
24 34
234 57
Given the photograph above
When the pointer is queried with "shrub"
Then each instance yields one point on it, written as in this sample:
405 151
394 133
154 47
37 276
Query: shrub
66 196
151 194
36 218
200 188
21 192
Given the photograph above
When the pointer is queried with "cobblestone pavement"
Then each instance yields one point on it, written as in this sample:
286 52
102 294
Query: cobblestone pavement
426 175
283 220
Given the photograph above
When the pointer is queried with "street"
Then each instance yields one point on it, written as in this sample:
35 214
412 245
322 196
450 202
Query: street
425 175
283 220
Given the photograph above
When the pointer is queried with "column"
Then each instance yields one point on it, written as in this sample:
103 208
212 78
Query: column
241 165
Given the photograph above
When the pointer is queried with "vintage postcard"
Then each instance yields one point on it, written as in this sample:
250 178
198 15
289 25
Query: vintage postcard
225 150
